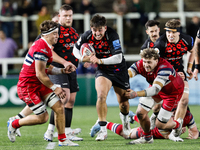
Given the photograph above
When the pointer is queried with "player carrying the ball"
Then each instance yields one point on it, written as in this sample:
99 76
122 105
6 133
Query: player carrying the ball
111 71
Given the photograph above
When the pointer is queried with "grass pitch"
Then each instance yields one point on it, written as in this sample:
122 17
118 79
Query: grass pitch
84 117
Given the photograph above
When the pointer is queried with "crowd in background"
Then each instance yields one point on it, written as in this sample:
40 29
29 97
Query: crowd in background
134 30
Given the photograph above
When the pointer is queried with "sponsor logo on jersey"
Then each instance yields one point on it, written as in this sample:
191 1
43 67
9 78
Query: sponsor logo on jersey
69 45
116 44
126 85
163 66
67 34
64 83
44 50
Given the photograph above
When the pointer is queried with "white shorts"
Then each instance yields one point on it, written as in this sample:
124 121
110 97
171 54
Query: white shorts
147 103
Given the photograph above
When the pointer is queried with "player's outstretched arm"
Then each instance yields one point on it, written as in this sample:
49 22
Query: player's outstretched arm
40 67
68 65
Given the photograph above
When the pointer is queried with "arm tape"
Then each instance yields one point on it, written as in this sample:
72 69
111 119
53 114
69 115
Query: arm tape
53 88
115 59
76 52
151 91
56 70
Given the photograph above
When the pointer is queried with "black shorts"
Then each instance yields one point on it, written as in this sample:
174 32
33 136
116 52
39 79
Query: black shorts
66 81
120 80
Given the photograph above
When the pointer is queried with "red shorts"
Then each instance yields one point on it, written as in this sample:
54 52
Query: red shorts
32 93
170 102
156 134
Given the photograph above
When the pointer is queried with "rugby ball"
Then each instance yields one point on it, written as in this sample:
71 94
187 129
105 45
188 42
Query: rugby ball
86 49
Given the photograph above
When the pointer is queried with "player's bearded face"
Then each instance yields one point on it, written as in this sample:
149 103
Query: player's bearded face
66 18
172 37
153 32
99 32
149 64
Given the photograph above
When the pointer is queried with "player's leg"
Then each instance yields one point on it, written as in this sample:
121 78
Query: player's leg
124 109
145 105
164 120
40 117
154 115
73 89
142 115
25 112
32 97
183 103
57 106
68 116
102 85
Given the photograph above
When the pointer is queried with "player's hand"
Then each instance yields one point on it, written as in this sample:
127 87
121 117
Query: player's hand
181 74
87 64
130 94
195 74
189 71
60 92
183 130
94 59
69 67
85 58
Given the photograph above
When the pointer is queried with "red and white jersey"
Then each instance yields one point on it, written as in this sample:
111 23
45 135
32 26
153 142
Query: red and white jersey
164 71
40 50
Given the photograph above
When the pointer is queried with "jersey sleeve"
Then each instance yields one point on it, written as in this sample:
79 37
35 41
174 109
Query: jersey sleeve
114 42
40 53
136 67
144 45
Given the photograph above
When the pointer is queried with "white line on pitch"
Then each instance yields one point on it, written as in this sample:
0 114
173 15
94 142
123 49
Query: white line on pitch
51 145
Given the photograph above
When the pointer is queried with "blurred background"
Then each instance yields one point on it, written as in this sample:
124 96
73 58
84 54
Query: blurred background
19 23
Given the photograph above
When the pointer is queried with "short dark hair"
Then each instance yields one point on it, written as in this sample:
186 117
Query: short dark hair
46 25
151 23
65 7
149 53
98 21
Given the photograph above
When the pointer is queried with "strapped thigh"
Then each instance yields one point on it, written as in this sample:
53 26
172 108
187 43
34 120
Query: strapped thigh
51 99
164 115
147 103
39 108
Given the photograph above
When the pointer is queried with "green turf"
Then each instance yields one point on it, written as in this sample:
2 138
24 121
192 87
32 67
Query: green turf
85 117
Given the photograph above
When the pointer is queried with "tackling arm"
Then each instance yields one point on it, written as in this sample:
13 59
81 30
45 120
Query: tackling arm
68 65
151 91
40 67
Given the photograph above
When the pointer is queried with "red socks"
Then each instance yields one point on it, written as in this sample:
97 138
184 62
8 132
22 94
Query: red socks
116 128
177 124
15 124
61 137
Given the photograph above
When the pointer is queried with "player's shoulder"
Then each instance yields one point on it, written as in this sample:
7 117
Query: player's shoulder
73 30
110 31
40 44
186 38
164 64
162 38
87 35
145 45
